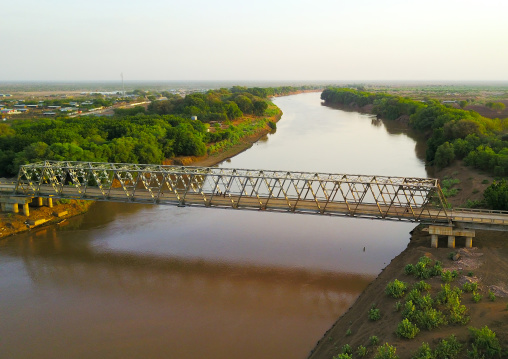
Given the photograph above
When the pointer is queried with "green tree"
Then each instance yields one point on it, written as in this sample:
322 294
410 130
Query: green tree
496 195
259 107
444 155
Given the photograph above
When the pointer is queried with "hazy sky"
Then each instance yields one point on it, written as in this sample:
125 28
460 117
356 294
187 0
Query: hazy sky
254 40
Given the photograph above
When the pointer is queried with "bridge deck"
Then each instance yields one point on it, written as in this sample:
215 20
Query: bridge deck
381 197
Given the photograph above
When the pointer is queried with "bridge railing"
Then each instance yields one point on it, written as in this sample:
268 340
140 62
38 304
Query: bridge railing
371 196
480 216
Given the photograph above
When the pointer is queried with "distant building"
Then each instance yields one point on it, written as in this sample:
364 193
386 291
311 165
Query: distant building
194 118
49 113
55 107
9 111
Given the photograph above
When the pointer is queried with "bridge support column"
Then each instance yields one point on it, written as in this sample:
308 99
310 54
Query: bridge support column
11 207
451 241
50 202
26 210
433 240
469 242
39 202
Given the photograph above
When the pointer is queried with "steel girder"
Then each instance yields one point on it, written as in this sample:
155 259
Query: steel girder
372 196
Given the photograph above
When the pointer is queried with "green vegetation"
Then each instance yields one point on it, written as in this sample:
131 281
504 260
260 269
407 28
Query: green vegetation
406 329
484 344
423 352
386 351
343 356
134 135
470 287
477 297
452 133
448 348
373 340
496 195
396 289
346 349
374 313
361 351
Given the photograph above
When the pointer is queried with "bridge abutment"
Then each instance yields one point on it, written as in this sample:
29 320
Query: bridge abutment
451 233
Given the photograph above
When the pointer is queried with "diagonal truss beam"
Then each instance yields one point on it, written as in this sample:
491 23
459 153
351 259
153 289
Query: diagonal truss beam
383 197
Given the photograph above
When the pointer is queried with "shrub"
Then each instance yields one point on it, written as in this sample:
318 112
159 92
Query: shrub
492 296
346 349
374 314
425 260
457 310
373 340
422 286
343 356
423 352
470 287
348 332
396 289
477 297
406 329
430 318
361 351
409 311
448 348
446 276
485 344
446 293
436 270
409 269
386 351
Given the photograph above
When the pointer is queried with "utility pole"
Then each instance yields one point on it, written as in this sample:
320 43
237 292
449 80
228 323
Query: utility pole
123 87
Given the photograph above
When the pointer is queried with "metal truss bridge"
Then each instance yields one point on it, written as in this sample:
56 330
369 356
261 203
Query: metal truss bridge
378 197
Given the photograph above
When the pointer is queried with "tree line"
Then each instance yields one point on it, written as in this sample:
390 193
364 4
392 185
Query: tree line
136 135
452 133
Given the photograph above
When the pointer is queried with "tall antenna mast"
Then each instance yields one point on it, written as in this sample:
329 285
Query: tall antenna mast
123 87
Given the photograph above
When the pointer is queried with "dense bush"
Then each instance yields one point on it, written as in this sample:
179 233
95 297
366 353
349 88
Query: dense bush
484 344
451 132
396 289
406 329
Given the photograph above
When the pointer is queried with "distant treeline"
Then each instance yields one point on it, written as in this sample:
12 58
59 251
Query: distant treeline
137 135
217 105
452 133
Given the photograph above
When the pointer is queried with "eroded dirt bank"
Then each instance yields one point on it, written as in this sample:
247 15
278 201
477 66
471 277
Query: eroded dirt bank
486 263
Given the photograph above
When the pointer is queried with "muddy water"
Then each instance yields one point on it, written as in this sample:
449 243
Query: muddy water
136 281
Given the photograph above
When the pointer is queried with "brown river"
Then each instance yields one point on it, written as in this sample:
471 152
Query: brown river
140 281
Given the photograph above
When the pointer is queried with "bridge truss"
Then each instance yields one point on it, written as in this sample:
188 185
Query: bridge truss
398 198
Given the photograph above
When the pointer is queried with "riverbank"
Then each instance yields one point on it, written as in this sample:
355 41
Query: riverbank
486 264
13 223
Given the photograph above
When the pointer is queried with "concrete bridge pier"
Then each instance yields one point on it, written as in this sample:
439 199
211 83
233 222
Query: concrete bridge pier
451 241
436 231
11 204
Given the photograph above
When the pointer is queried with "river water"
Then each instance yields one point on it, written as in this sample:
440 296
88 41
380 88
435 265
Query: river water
140 281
